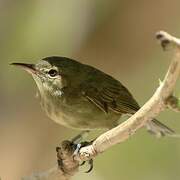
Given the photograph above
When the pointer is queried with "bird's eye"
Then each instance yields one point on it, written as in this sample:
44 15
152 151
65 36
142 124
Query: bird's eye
52 72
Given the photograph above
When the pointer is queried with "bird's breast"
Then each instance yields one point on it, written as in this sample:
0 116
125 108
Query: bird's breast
77 113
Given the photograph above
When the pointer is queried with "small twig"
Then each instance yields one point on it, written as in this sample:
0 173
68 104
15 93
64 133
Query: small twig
158 102
173 103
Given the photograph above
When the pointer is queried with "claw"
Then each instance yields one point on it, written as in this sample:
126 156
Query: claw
90 162
82 163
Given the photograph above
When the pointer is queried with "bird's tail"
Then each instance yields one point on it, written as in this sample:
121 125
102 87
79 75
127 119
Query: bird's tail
159 129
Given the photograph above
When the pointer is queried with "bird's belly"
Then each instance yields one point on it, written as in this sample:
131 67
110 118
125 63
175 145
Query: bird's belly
81 116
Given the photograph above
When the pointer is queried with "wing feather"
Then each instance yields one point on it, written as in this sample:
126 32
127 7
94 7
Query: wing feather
109 95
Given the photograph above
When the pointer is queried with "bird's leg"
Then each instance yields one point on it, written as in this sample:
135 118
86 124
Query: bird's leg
79 144
77 139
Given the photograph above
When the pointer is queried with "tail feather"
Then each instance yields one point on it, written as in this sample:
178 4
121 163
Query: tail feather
159 129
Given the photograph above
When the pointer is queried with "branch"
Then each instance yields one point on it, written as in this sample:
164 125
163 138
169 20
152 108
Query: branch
161 99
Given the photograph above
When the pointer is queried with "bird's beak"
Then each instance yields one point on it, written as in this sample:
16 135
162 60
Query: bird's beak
30 68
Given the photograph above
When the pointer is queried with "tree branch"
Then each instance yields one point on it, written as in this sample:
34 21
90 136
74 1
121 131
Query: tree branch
161 99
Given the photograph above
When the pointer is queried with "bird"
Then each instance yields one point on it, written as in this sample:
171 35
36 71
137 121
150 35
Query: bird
82 97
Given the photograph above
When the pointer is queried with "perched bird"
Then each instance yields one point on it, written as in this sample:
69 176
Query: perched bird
82 97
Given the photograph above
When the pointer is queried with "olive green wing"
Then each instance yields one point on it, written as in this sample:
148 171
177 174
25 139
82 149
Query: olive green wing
110 95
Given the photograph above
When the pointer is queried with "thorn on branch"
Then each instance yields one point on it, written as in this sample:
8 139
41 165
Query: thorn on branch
160 82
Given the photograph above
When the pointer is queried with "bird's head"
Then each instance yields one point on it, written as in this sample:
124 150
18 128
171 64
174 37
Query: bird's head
51 74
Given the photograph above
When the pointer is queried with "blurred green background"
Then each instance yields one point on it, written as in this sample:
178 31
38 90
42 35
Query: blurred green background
116 36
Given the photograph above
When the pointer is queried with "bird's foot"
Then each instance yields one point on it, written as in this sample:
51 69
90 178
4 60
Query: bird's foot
78 147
